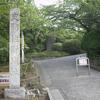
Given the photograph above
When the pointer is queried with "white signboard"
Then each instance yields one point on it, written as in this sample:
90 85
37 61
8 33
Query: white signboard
4 79
83 62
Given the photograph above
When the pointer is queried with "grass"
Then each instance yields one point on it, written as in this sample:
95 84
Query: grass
46 54
29 73
33 98
4 68
29 78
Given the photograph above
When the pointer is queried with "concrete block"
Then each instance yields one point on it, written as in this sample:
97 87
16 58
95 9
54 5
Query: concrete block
16 93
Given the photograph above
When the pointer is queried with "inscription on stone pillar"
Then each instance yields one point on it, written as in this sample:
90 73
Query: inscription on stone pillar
14 51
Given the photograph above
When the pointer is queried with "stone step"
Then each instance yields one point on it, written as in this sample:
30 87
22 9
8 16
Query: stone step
54 94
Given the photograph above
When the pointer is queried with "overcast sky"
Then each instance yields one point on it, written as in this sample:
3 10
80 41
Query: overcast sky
39 3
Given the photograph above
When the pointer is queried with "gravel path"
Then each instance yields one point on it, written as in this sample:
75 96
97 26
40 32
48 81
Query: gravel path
60 74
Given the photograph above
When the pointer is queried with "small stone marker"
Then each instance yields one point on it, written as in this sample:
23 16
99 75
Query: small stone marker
15 91
82 61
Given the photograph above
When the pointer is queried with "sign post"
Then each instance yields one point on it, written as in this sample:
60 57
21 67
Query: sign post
82 61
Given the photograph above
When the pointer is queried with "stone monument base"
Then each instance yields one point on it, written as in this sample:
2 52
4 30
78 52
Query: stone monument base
15 93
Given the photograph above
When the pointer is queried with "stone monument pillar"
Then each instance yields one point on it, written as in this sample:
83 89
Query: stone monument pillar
22 47
15 91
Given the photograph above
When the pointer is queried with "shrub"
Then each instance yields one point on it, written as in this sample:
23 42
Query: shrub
72 46
57 46
4 56
46 54
90 43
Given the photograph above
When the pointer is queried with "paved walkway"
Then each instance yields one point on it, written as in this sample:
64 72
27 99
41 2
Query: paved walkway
60 74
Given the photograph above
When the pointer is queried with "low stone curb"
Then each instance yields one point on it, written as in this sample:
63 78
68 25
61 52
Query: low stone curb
54 94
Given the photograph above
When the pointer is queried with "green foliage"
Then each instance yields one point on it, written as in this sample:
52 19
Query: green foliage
57 46
90 43
66 34
90 20
4 68
81 14
4 56
4 30
47 54
72 46
68 21
32 24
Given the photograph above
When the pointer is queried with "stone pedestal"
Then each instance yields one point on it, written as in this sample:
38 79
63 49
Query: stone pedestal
15 93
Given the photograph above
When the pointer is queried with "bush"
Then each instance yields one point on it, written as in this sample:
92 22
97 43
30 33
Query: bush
47 54
72 46
90 43
57 46
4 58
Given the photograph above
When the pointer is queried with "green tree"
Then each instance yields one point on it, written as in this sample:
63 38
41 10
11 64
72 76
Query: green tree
78 15
32 24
